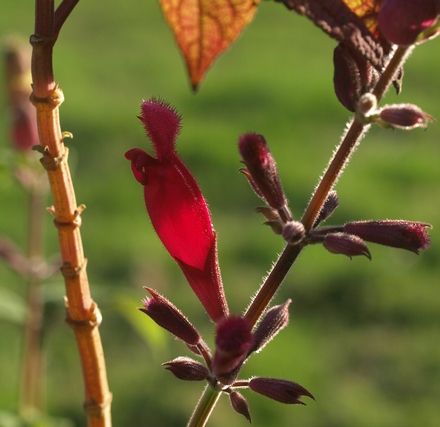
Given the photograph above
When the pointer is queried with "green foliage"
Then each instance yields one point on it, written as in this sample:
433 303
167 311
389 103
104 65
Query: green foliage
363 336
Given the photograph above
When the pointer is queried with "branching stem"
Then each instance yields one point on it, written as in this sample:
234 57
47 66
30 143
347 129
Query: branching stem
342 155
336 165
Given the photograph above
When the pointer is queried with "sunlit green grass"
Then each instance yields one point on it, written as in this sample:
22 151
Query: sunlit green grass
363 336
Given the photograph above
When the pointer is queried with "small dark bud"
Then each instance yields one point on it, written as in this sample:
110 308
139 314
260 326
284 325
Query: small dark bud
402 21
233 341
352 76
283 391
345 78
330 205
408 235
294 232
262 169
404 116
346 244
240 404
169 317
276 319
187 369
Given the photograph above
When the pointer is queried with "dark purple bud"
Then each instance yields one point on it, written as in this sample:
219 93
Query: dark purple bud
330 204
404 116
262 169
294 232
401 21
408 235
352 76
233 341
346 244
345 78
283 391
187 369
240 404
276 319
169 317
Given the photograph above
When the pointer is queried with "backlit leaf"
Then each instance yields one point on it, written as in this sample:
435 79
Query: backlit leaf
367 10
205 28
353 22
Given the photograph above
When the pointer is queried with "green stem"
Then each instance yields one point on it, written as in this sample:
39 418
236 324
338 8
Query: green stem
204 407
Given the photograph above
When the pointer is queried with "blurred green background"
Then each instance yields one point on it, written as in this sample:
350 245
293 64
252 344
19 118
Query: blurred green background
364 337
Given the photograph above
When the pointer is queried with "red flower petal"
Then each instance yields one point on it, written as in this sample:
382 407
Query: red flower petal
176 206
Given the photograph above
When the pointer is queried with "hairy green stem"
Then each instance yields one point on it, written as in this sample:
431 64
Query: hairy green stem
204 407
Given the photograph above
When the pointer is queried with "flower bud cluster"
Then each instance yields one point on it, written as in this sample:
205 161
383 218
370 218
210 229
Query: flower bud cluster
234 343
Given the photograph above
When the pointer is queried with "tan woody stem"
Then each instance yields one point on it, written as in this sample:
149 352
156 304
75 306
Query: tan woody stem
83 314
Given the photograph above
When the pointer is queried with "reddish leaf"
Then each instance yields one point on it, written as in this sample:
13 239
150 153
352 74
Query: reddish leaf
205 28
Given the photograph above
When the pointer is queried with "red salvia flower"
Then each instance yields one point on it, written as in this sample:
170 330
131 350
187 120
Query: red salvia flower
176 206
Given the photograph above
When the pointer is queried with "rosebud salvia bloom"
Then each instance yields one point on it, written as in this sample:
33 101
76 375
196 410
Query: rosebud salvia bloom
408 235
276 319
283 391
187 369
176 206
402 21
262 169
233 341
346 244
404 116
169 317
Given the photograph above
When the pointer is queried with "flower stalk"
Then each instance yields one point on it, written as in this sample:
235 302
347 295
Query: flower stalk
83 314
